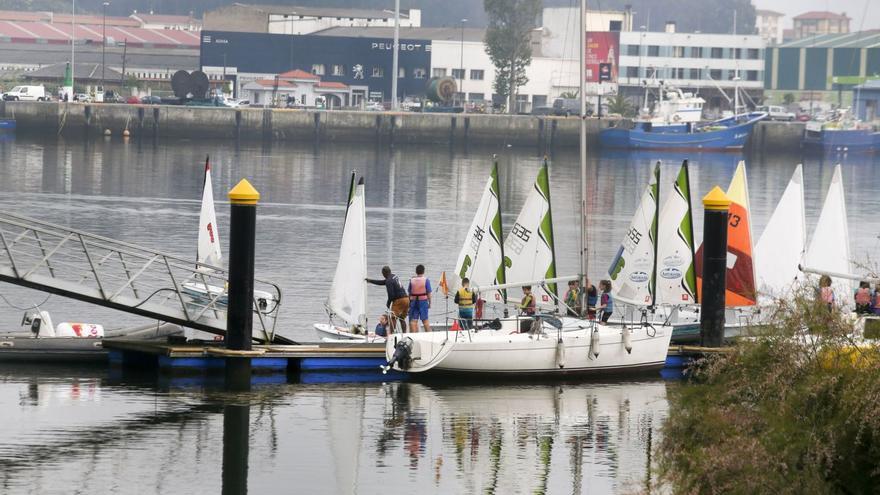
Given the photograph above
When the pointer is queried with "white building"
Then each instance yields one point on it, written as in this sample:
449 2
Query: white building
559 29
299 88
769 26
291 19
163 21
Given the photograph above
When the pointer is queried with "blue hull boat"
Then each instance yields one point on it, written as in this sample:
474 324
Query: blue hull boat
7 125
721 135
842 140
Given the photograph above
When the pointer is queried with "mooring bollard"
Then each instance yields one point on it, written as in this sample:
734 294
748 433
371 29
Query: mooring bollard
239 311
716 206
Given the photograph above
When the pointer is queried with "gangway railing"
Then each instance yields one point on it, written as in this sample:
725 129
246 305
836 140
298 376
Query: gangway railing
126 277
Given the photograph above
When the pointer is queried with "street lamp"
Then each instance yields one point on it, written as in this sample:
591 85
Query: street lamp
103 44
639 68
461 67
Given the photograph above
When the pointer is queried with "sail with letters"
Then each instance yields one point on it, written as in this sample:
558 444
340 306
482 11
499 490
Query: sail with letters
676 275
348 291
780 249
482 256
632 271
528 249
740 286
209 239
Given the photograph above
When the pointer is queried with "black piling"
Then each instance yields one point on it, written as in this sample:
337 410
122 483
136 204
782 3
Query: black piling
236 444
239 312
716 206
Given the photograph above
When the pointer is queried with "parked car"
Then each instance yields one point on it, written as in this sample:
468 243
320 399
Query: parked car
375 106
566 107
132 100
777 113
151 100
26 93
543 111
82 98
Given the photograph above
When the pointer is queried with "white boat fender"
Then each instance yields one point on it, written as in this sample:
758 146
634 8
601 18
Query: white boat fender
402 356
560 353
594 343
627 340
83 330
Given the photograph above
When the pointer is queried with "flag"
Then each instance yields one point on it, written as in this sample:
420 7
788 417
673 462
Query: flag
444 287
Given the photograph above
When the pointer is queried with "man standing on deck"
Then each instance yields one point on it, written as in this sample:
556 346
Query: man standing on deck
419 300
398 301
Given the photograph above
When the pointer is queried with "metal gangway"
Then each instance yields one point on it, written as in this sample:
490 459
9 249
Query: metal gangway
122 276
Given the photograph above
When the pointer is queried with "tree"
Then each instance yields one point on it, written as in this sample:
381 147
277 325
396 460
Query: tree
788 98
508 43
619 105
569 95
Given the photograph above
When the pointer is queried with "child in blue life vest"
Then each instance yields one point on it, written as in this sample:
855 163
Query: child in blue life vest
606 303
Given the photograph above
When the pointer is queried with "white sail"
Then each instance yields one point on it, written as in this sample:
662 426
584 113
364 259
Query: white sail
481 258
209 237
829 247
348 292
780 249
528 248
676 275
632 270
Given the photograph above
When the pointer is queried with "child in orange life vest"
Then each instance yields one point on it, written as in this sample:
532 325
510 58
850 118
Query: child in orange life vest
419 300
527 304
863 298
826 293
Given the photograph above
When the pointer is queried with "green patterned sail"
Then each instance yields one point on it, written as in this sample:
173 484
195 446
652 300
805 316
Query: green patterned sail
677 279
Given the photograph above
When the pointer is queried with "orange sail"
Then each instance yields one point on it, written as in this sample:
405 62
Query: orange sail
740 269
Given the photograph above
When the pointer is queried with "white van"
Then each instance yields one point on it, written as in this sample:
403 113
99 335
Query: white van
26 93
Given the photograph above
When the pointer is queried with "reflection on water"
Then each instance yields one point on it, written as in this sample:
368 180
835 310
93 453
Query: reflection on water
102 432
420 201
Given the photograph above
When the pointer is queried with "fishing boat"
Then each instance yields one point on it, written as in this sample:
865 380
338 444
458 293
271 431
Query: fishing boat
209 258
346 303
542 344
840 134
727 134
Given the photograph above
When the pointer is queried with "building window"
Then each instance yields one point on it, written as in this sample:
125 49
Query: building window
476 96
419 73
717 52
401 73
477 74
459 96
378 71
539 100
737 53
754 53
318 69
677 73
696 52
715 74
751 75
632 72
458 73
338 70
438 72
678 51
632 50
653 51
695 74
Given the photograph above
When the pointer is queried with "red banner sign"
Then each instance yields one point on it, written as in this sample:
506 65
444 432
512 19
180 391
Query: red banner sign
603 56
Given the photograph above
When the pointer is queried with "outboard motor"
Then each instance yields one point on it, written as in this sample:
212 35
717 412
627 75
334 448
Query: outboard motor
40 322
402 356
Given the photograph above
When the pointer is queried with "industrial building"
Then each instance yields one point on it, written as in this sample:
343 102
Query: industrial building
291 19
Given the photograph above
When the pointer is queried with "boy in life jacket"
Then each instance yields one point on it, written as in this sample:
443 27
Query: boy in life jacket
466 300
382 326
419 300
573 299
606 303
863 298
826 293
527 305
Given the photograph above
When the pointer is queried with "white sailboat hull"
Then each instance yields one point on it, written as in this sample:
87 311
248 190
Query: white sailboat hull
502 352
334 333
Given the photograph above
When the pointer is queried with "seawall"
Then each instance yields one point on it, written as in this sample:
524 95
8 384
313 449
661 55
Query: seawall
150 121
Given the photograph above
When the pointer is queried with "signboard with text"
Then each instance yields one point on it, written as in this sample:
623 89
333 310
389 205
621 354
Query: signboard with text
602 60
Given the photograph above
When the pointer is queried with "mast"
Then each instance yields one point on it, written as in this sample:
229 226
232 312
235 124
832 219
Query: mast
502 270
654 230
583 149
394 57
687 179
553 289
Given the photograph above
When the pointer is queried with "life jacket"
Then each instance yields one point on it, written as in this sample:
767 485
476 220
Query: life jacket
877 299
527 305
826 294
608 302
418 288
465 298
863 296
571 298
592 297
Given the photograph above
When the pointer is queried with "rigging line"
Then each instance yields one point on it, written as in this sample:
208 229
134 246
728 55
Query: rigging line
13 306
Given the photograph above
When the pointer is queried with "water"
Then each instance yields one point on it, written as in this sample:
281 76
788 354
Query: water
93 431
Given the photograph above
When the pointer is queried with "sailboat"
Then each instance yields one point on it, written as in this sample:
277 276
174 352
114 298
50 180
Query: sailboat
549 345
781 247
347 299
209 258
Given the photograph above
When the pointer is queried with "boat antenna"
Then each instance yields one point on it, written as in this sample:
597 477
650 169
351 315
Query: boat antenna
583 150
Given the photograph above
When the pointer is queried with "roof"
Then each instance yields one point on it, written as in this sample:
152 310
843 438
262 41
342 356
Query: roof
165 19
298 74
81 72
65 18
768 13
872 84
271 83
816 15
859 39
412 33
40 54
332 85
323 11
41 32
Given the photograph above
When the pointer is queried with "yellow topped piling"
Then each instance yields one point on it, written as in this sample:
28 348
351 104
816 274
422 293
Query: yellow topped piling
716 200
244 193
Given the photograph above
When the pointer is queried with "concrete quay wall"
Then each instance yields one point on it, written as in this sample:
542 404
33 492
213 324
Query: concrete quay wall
543 133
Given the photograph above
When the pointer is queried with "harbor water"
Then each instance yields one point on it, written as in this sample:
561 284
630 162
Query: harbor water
102 432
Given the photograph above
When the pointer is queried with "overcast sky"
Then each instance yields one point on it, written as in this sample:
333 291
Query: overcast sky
856 9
